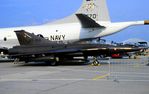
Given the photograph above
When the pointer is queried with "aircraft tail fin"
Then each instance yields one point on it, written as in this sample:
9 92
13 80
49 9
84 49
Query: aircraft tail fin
95 9
26 38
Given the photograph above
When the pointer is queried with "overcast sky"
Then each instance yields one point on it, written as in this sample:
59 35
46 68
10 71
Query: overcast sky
31 12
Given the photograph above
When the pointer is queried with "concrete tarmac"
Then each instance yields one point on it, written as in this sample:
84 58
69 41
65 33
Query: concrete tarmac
119 78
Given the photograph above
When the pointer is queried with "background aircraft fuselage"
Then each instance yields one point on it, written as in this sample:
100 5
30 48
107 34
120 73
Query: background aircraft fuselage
64 32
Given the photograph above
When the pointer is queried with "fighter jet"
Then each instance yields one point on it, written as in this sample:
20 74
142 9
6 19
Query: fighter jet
90 21
34 48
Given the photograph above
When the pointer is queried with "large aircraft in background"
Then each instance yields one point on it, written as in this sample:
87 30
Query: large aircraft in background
90 21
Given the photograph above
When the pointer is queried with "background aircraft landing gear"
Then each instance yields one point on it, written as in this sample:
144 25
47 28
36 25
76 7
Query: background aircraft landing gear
95 62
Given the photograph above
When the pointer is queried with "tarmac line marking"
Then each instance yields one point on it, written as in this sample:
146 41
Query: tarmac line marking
25 75
34 80
121 75
133 80
93 71
79 70
133 73
101 77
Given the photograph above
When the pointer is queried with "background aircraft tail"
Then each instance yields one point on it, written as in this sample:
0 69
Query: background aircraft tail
95 9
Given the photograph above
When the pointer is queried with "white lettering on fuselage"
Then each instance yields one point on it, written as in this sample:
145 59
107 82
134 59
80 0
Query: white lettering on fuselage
57 37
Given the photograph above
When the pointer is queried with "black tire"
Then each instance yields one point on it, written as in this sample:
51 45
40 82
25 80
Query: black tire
54 63
95 63
26 61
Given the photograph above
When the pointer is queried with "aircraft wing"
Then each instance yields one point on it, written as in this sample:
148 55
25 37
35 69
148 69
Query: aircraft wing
88 22
64 50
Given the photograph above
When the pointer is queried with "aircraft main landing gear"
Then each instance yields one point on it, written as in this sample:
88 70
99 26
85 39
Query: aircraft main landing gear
55 62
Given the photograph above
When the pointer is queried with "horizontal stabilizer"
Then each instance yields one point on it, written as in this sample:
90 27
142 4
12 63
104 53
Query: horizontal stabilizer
88 22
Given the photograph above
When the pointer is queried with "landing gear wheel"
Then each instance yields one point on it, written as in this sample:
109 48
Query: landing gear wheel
53 63
26 62
95 62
